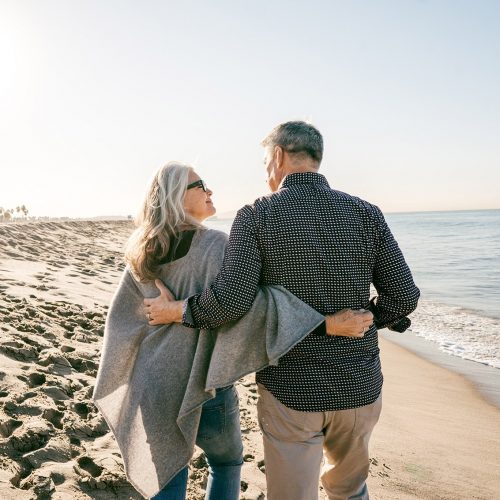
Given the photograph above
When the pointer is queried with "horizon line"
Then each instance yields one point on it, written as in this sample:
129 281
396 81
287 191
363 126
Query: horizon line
224 216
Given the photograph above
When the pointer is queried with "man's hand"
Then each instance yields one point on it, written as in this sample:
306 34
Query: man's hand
163 309
349 323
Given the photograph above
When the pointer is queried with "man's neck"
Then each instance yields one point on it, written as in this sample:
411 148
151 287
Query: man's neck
300 170
297 171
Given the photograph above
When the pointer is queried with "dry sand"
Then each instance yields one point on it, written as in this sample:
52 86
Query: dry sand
437 438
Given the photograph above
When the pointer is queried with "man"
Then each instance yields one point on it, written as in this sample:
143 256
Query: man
324 397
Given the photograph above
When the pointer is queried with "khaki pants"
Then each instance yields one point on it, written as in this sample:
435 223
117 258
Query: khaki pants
296 442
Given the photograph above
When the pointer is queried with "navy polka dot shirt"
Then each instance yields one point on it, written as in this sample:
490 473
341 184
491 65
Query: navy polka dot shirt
327 248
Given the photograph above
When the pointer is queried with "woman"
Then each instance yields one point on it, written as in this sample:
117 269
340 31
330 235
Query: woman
164 388
170 218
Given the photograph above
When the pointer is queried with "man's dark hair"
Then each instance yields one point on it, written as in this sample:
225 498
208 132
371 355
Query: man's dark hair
299 138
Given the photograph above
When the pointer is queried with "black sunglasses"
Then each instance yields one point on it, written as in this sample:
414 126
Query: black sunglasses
199 183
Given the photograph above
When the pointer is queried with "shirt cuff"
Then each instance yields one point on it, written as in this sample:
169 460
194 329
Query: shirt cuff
187 316
400 325
320 330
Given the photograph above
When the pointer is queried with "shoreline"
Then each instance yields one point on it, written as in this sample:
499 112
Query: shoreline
484 378
437 436
443 301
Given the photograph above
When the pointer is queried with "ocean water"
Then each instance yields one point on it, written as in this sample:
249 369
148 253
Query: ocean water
455 260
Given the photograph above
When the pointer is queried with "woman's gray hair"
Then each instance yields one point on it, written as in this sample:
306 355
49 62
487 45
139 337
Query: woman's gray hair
161 218
298 138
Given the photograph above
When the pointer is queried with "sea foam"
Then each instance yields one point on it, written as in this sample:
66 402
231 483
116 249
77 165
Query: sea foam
458 332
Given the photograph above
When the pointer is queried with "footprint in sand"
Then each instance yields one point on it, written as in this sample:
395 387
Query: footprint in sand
33 434
82 409
83 365
89 466
57 449
30 312
94 476
41 484
54 417
56 393
93 426
18 350
8 426
56 266
56 361
12 298
13 254
379 469
36 378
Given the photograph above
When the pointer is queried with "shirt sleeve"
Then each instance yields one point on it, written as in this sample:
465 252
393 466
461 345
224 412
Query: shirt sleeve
232 293
397 293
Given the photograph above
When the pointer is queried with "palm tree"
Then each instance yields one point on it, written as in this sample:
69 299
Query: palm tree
1 213
24 210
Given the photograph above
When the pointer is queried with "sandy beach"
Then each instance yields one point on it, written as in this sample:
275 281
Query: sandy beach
438 438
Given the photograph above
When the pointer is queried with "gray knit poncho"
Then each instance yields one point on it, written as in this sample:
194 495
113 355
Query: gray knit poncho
153 380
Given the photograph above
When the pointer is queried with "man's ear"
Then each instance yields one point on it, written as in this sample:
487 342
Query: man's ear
278 156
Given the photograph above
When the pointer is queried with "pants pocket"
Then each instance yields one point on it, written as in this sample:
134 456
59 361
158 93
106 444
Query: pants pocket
219 433
212 422
367 417
286 424
218 413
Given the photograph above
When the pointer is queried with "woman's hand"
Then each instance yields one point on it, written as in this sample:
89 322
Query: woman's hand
163 309
349 323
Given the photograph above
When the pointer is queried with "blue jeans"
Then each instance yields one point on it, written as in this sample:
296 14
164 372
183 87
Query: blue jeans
219 436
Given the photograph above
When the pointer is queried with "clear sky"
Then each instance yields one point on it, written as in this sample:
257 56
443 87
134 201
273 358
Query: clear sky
96 95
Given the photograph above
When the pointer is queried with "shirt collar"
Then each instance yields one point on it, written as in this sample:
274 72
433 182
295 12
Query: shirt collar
304 178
